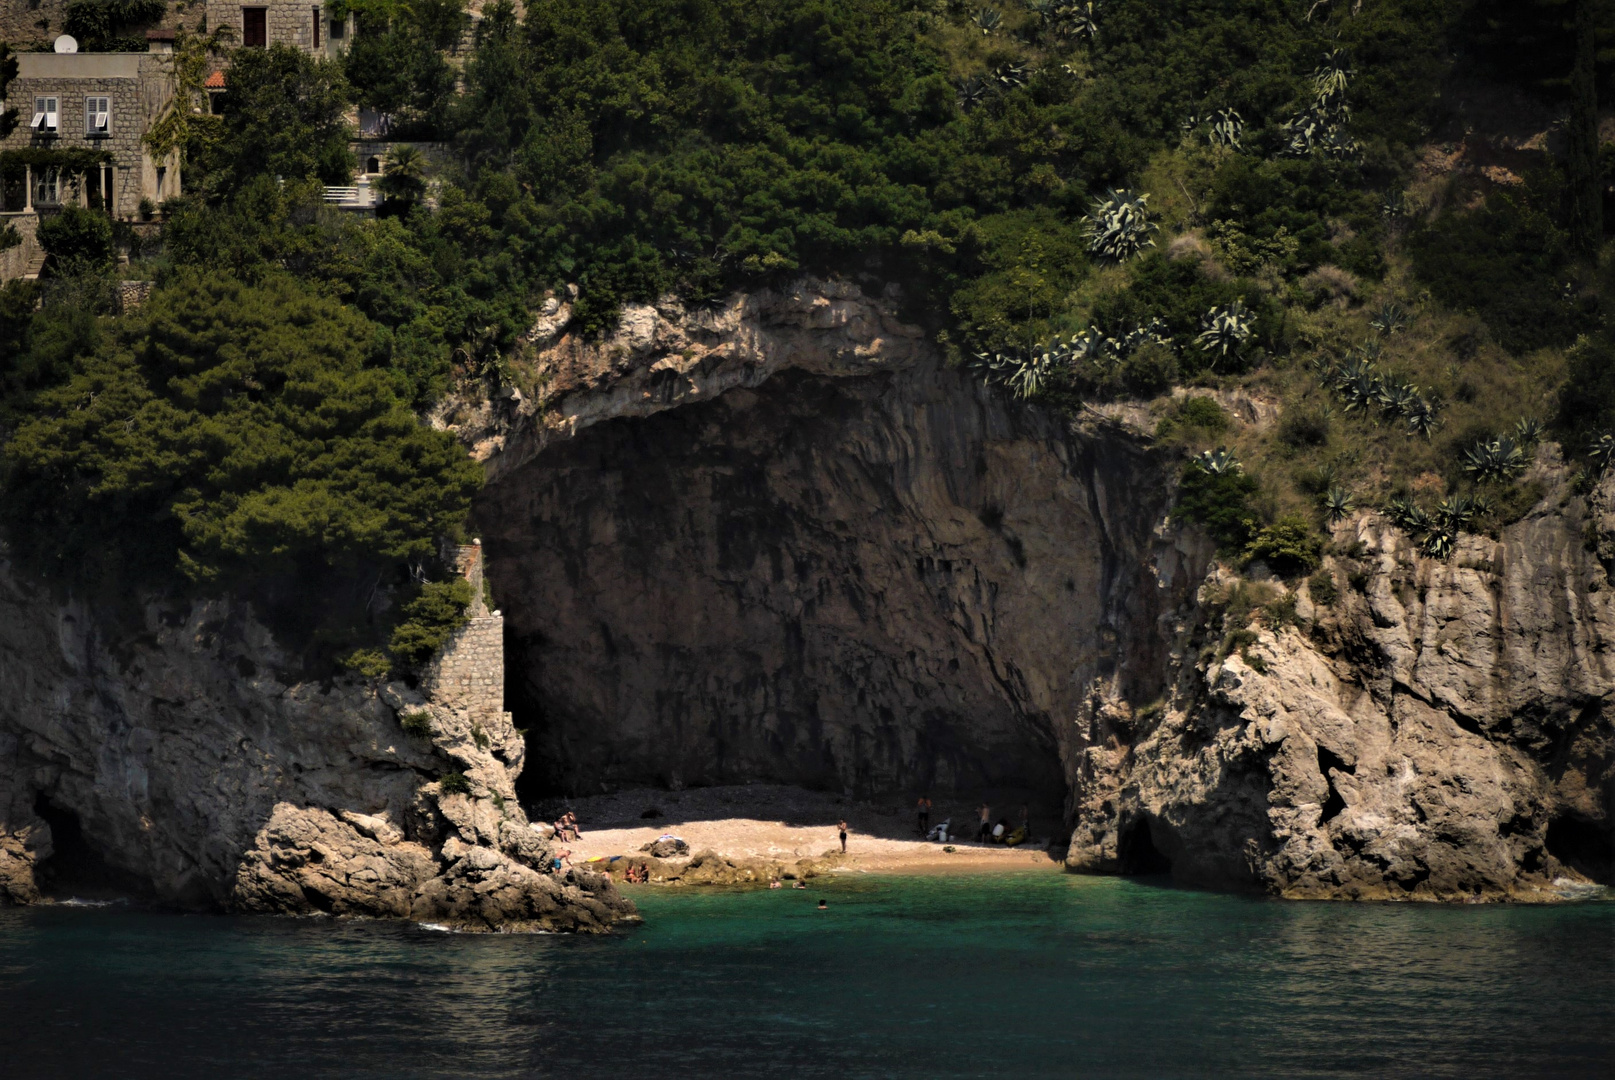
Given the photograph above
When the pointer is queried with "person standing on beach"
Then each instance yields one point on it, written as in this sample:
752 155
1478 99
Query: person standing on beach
985 829
1026 821
925 814
843 827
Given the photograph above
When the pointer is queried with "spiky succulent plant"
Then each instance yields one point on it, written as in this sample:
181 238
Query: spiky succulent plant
1528 430
1224 330
1338 504
971 92
1118 225
988 20
1331 79
1010 74
1391 318
1495 459
1602 450
1227 128
1423 416
1218 462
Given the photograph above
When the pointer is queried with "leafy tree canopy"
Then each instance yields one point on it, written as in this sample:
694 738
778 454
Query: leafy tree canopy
238 426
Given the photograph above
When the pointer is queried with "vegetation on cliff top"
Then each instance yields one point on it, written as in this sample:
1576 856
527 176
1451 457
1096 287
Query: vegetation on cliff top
1086 201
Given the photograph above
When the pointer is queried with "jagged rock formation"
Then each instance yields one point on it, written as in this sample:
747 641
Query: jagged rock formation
1439 732
781 541
181 761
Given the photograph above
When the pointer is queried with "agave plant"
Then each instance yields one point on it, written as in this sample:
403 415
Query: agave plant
1330 81
1390 318
1154 332
1074 20
1528 430
1217 462
1118 225
1010 74
1495 459
1224 329
1351 370
1398 398
1361 392
1456 513
1227 128
989 20
1394 205
1093 345
1027 376
1370 350
1338 504
1438 543
1602 450
1423 417
972 92
993 368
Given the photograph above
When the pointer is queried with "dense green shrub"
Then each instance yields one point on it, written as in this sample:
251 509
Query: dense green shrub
1288 546
1221 503
77 239
1509 263
454 783
428 620
1322 588
417 725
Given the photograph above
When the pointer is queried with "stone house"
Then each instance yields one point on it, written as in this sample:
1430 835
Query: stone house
82 118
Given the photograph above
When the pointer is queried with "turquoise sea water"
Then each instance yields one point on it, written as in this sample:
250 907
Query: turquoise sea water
1036 974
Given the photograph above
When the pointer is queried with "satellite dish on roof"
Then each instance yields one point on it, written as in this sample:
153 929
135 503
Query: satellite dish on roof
66 44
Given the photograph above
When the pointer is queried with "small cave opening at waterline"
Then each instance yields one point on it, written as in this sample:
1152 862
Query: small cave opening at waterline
76 868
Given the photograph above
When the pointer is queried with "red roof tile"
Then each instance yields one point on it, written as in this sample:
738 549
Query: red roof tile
215 81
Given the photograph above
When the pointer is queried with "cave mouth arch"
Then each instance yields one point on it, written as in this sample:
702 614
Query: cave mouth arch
76 867
1585 846
1136 853
796 583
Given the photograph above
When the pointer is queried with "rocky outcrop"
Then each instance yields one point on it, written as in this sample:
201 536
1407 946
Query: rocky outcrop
172 759
1440 731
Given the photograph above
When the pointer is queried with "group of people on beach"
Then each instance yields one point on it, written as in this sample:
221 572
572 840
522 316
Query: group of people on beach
988 832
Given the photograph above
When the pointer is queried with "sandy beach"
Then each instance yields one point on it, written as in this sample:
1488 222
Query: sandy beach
785 824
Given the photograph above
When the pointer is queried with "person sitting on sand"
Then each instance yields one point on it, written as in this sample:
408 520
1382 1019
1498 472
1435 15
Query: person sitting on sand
843 827
1000 830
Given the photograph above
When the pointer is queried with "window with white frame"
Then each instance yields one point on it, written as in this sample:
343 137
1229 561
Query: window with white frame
97 116
44 115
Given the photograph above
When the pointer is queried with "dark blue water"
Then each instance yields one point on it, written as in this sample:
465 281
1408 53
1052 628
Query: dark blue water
1024 975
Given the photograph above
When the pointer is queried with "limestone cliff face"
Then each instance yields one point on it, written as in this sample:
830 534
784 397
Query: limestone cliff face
178 758
781 541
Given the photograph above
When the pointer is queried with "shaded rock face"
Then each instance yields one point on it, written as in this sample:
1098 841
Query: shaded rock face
174 762
877 583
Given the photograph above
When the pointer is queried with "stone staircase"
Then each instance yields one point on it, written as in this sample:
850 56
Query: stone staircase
35 263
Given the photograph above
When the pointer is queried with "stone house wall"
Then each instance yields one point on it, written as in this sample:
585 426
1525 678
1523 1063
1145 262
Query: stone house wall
24 22
286 22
